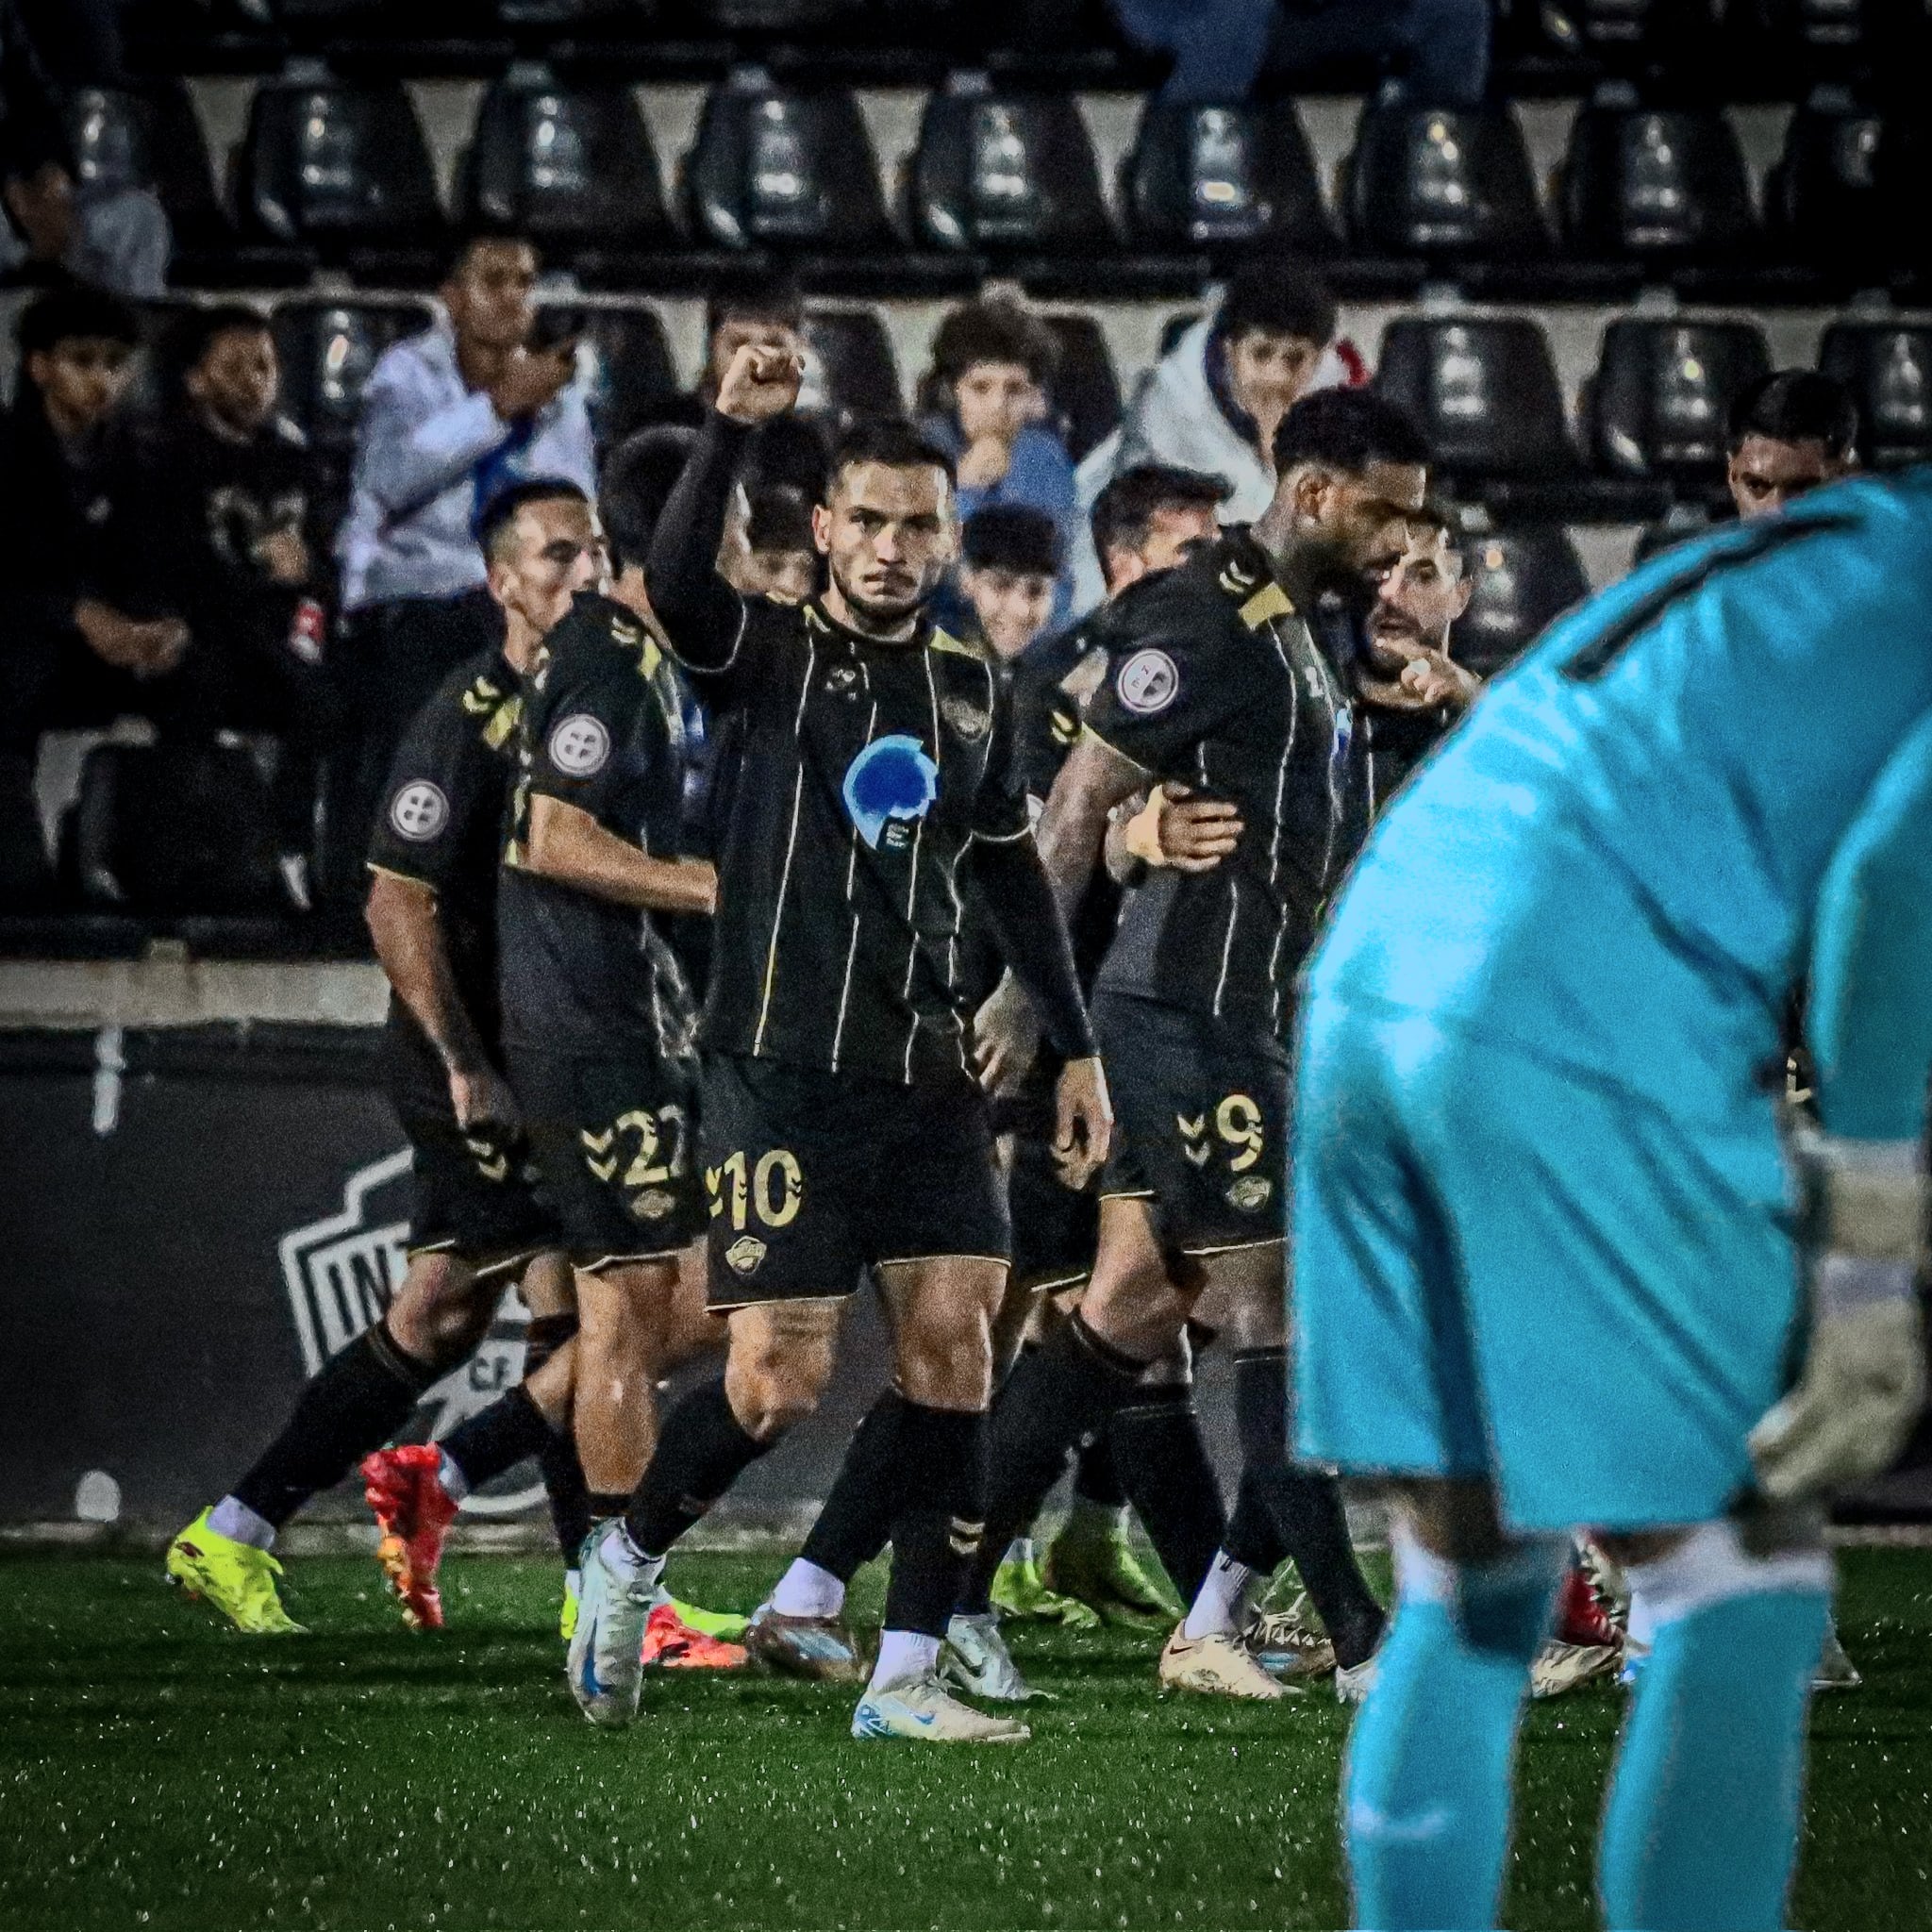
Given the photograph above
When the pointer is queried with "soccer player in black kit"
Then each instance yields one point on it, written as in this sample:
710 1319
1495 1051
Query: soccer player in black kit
843 1126
1216 680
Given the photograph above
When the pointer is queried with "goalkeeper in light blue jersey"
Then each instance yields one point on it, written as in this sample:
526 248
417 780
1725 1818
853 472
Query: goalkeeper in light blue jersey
1556 1265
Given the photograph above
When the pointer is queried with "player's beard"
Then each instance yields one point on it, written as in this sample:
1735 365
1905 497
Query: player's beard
882 615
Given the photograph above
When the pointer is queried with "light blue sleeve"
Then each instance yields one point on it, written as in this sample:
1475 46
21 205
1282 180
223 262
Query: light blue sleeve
1870 1010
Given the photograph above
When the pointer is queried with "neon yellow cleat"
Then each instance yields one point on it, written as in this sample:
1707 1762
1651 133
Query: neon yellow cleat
1093 1562
1017 1591
237 1579
567 1622
719 1624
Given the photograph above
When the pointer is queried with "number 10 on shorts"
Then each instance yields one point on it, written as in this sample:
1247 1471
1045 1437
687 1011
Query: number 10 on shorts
771 1192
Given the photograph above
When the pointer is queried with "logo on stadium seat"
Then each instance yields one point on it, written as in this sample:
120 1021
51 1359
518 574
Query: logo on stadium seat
1147 682
419 811
343 1272
579 745
888 787
744 1254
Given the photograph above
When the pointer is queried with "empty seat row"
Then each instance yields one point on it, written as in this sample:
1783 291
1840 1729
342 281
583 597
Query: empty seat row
340 172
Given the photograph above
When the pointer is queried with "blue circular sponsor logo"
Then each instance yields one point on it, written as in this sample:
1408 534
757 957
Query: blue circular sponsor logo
889 787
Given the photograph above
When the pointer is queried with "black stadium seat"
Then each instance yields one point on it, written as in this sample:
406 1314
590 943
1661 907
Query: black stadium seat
783 167
850 357
631 372
328 350
573 168
1084 388
1821 202
1888 368
1220 180
1662 394
340 171
1656 188
1446 186
1524 579
149 137
1484 392
1006 173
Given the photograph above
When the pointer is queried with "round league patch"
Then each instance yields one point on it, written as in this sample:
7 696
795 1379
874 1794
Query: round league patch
579 745
1147 682
419 811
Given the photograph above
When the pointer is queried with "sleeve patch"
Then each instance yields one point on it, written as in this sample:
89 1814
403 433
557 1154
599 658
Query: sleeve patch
1147 682
579 745
419 811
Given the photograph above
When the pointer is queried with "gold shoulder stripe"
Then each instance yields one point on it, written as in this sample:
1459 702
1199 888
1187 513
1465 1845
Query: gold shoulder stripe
503 722
945 641
1270 601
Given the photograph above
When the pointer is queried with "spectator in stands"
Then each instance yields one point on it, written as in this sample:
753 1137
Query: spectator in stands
1790 432
1214 401
1222 48
1010 559
117 239
767 313
223 503
769 551
71 653
450 417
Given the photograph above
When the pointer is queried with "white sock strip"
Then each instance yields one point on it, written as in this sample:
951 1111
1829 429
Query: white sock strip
1710 1566
455 1485
240 1525
905 1658
1227 1594
805 1591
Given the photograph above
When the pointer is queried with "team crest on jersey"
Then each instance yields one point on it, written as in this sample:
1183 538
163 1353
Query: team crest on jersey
419 811
744 1254
1147 682
968 720
842 681
579 746
1250 1193
888 787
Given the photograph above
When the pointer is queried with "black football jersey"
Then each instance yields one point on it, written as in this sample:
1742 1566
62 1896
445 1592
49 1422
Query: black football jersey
442 818
864 773
1215 680
602 729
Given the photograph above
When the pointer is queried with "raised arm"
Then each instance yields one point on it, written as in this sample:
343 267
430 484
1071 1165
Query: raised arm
700 613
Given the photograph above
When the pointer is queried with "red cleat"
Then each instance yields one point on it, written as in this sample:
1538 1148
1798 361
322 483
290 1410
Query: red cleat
1580 1616
672 1644
414 1511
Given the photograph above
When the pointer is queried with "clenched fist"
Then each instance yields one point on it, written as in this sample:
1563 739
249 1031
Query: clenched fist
760 384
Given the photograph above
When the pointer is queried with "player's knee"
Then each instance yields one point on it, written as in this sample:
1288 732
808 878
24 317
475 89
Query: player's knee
441 1312
1500 1605
1136 1307
946 1361
1718 1562
775 1377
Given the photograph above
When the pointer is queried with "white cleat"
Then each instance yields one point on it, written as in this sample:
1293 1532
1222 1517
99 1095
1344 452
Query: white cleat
1290 1645
606 1675
975 1659
1354 1684
1217 1666
1836 1670
925 1712
1562 1667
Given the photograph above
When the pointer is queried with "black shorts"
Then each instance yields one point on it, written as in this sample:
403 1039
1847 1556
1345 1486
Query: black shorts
814 1177
1056 1229
1200 1124
613 1137
472 1197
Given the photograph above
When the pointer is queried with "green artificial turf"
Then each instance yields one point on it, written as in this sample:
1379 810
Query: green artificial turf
157 1770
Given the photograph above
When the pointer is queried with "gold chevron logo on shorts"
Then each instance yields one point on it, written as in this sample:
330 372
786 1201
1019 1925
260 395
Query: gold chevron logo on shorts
602 1169
964 1537
597 1143
1191 1130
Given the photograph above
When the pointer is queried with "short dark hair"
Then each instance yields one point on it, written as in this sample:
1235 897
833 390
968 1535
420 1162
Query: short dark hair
500 511
1124 513
1435 515
1796 406
755 298
778 518
73 314
890 440
1014 537
1278 297
200 327
477 234
1347 429
995 330
639 476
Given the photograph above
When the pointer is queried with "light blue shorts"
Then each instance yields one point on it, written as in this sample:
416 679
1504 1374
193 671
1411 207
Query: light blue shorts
1503 1269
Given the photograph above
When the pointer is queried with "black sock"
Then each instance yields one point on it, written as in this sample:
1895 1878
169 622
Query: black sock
1251 1537
1306 1508
1095 1478
1051 1399
939 1517
702 1450
855 1521
363 1395
564 1475
498 1437
600 1505
1162 1459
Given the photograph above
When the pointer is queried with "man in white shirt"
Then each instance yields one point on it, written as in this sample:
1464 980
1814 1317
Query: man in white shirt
450 417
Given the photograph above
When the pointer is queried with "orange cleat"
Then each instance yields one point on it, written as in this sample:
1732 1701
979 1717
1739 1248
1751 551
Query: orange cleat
413 1511
1581 1617
672 1644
